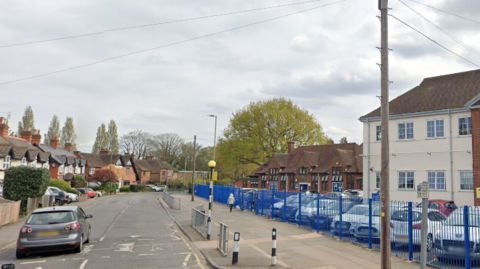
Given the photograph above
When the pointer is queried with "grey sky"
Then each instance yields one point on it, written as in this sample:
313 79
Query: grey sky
324 59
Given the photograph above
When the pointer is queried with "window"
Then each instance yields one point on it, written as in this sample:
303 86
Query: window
436 180
303 170
406 180
62 169
315 179
291 182
46 165
23 162
6 162
91 171
128 171
465 126
325 186
336 170
378 133
126 182
350 182
405 131
169 173
466 180
377 180
435 128
245 184
273 171
34 164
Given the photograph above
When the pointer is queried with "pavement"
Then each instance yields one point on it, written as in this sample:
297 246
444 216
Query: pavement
297 247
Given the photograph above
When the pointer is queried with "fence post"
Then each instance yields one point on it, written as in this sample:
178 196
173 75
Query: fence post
340 227
370 223
299 203
236 247
274 193
468 261
317 217
284 207
410 231
274 246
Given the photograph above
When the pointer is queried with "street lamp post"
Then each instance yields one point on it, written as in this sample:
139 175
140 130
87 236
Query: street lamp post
214 135
211 164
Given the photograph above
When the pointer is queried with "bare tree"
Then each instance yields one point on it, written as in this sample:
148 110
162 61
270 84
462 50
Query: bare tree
168 146
136 142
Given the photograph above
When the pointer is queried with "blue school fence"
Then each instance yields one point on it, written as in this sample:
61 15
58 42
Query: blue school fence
453 239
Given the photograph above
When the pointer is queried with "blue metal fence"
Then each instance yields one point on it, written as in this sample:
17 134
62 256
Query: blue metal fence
453 239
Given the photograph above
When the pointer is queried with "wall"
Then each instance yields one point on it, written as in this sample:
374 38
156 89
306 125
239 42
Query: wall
421 155
9 212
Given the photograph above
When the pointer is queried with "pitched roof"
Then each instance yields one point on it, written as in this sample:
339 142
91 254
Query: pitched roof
142 165
19 146
58 155
436 93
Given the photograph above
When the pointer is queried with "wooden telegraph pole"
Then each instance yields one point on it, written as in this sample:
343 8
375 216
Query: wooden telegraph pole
194 161
385 180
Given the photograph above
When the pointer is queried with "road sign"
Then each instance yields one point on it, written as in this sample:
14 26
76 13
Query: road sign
422 190
376 197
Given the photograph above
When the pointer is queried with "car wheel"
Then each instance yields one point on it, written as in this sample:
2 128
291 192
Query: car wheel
429 242
88 237
20 255
79 248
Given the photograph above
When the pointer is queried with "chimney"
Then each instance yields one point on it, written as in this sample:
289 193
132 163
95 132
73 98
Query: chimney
37 138
3 126
54 142
150 158
291 146
104 152
68 146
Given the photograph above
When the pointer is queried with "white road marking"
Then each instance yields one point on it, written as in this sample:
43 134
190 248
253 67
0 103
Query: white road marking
111 225
135 236
125 247
145 239
145 254
185 253
32 262
87 249
186 260
39 267
105 257
83 264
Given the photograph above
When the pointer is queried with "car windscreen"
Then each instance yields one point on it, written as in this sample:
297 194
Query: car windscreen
358 210
333 206
402 215
50 217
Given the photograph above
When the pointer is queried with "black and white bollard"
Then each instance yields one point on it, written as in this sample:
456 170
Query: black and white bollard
236 247
209 220
274 247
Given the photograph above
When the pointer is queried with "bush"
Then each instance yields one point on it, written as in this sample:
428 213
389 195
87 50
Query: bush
79 182
137 188
125 189
64 186
107 187
25 182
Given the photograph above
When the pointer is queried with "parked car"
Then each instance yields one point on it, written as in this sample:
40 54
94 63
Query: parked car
362 229
277 213
350 219
52 229
399 226
309 208
53 190
450 239
445 206
290 209
61 198
89 192
327 214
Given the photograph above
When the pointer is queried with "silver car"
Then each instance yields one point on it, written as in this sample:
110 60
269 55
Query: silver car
54 229
350 219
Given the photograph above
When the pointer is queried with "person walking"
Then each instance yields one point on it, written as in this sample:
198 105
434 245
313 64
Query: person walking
231 201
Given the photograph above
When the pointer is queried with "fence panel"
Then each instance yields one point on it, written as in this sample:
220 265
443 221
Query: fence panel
199 220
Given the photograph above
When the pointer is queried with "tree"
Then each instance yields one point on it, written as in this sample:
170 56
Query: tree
112 136
28 121
53 130
68 133
101 141
263 128
104 175
136 142
343 140
168 146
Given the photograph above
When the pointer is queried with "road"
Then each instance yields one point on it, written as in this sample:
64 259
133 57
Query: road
128 231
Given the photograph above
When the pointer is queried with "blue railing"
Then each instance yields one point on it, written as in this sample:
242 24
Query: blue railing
453 239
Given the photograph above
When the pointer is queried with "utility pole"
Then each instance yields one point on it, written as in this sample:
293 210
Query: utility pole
385 166
193 174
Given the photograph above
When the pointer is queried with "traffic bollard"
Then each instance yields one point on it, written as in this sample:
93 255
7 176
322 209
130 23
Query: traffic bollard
274 246
236 247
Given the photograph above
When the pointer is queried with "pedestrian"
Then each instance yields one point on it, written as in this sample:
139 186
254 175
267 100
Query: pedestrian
231 201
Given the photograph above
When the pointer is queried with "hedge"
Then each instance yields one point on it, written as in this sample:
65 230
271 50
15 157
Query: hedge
64 186
125 189
137 188
79 181
23 182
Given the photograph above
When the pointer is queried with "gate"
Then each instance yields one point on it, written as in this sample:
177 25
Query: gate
223 238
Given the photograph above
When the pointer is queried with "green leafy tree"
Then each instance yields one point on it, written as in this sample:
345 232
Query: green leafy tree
53 130
28 121
101 141
68 133
112 136
343 140
263 128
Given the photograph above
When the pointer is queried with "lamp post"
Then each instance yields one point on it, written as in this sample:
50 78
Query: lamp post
211 164
214 135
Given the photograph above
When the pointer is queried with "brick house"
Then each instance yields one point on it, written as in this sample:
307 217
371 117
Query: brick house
154 171
434 136
323 169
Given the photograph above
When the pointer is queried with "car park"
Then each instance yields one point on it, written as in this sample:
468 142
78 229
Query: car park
399 226
289 210
350 219
324 218
307 210
53 229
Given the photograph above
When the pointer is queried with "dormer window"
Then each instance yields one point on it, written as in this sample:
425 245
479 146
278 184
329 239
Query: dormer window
119 163
23 162
62 169
273 171
34 164
46 165
303 170
6 162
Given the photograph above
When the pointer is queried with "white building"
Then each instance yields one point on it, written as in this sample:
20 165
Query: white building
430 139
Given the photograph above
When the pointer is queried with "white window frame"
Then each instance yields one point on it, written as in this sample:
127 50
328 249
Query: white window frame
378 133
468 126
7 162
61 169
46 165
23 162
462 175
407 175
378 180
433 178
33 163
127 171
91 171
405 131
435 128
